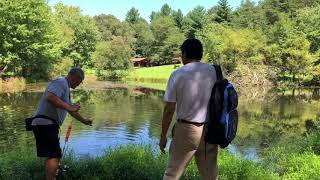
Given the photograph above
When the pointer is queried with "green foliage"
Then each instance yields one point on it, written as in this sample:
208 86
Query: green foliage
108 26
142 34
168 39
223 13
61 68
232 167
83 32
308 23
112 56
178 18
280 34
143 162
133 16
28 43
194 21
296 58
144 39
230 47
246 15
165 10
291 165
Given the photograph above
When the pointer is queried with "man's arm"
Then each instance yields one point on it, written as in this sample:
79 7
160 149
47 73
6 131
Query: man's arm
168 112
57 102
78 116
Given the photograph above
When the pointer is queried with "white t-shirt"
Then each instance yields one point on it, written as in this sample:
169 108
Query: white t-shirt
190 87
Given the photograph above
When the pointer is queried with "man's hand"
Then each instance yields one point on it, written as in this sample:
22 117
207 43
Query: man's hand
73 108
168 112
162 144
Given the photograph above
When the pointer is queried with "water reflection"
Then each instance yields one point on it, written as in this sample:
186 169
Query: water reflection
133 115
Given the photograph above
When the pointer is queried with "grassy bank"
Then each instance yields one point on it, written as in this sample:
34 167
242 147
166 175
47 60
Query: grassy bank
140 162
157 74
12 84
151 77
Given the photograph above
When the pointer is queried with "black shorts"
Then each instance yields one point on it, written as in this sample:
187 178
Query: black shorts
47 140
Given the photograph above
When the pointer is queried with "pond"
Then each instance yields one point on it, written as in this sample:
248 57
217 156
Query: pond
132 115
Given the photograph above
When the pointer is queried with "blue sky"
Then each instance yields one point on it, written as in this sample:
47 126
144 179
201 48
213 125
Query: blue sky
119 8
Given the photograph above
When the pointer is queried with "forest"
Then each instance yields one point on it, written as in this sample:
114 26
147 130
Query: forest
275 41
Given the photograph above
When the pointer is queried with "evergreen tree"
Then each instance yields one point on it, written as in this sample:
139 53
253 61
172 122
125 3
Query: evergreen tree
223 12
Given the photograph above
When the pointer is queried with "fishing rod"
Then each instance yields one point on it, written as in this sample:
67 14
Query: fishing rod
63 168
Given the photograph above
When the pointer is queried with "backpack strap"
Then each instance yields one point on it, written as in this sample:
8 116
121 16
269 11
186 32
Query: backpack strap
218 72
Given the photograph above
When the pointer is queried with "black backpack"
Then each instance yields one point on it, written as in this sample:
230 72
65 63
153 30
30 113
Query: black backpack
222 111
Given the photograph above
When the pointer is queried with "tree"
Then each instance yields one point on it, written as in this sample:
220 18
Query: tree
223 12
178 18
108 26
168 39
112 56
153 15
296 57
230 47
132 16
308 23
165 10
144 39
246 15
29 44
194 21
281 30
85 34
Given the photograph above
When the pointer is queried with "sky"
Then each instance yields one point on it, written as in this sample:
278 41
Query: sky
119 8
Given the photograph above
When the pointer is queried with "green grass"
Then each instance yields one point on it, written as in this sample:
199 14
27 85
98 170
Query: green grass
128 162
157 86
157 74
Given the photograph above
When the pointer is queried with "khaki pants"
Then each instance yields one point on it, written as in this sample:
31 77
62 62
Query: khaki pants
188 140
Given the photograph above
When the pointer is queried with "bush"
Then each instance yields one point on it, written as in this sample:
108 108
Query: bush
111 75
231 167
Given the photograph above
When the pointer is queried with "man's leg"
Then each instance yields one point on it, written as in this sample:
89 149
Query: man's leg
185 141
206 159
52 165
47 140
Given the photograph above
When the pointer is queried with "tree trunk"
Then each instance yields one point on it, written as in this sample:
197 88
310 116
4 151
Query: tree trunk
4 69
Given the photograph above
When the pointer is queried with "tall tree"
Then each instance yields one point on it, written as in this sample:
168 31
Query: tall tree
112 56
168 39
28 40
108 25
231 47
246 15
296 57
194 21
132 16
144 39
308 22
85 34
178 18
165 10
223 12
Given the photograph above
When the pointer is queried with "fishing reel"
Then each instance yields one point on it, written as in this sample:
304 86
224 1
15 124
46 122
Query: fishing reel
63 168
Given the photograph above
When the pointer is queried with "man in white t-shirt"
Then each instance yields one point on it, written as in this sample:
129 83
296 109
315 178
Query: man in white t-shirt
188 91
